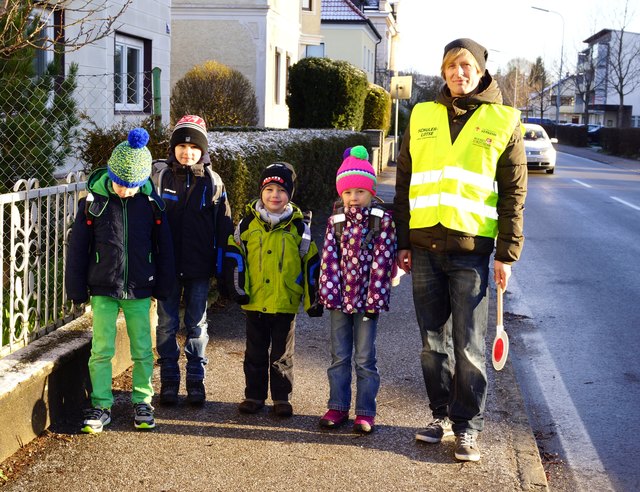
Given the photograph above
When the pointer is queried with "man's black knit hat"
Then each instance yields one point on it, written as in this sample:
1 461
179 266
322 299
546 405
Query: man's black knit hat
478 51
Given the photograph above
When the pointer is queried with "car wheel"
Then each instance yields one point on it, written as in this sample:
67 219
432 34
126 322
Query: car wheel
551 171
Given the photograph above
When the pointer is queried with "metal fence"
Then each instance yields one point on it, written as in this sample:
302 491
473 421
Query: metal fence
36 223
45 122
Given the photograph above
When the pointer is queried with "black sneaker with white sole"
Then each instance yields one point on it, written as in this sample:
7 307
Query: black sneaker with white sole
435 431
467 446
95 419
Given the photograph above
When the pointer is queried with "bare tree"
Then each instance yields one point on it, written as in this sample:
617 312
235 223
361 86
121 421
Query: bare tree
46 25
624 63
587 82
514 84
539 85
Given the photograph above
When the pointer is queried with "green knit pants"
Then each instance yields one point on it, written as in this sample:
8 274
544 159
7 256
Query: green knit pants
136 314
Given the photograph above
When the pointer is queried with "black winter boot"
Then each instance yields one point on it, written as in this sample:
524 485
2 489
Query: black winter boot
196 394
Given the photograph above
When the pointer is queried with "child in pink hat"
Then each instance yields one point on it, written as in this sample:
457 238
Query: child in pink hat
355 281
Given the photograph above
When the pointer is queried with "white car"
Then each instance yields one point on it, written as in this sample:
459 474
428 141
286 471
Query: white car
540 151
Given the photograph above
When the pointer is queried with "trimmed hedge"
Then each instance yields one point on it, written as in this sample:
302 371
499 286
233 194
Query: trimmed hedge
377 109
326 93
624 142
240 156
316 155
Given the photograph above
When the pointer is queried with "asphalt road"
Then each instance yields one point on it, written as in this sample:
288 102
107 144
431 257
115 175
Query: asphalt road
574 298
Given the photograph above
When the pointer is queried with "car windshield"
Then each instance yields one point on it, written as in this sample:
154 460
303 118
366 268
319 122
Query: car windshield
533 135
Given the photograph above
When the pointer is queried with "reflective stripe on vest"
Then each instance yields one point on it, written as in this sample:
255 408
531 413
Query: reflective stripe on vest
455 184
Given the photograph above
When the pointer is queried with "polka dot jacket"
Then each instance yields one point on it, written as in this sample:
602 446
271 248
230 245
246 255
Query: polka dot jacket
356 277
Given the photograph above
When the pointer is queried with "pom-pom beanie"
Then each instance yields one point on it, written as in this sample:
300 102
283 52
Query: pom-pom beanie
130 162
356 171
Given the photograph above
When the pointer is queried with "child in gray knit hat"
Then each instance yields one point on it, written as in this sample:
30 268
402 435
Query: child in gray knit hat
120 254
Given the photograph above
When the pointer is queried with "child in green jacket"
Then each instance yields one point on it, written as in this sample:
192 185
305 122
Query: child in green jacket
271 265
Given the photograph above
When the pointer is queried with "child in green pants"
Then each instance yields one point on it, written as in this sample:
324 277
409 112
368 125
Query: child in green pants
120 254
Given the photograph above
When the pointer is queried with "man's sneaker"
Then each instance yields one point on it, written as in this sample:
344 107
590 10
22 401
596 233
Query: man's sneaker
364 424
143 416
467 447
95 419
435 431
169 392
196 394
333 419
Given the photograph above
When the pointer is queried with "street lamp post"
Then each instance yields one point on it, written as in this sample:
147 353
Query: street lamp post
558 94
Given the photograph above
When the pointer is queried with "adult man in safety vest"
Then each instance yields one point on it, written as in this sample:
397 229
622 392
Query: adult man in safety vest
460 191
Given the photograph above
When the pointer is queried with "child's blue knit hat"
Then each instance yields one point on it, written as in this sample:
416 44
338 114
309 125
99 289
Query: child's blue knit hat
130 162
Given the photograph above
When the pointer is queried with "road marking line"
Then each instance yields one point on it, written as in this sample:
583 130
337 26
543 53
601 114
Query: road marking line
635 207
583 184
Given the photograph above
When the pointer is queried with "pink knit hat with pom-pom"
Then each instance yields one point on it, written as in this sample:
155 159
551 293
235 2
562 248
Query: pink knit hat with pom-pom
356 171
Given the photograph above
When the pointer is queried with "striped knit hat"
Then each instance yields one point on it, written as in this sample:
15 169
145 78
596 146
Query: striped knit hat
130 162
356 171
190 129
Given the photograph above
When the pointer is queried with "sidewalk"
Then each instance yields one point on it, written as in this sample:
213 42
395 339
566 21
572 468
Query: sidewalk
216 448
593 154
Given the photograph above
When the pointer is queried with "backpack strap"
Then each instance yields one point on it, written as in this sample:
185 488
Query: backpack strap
160 167
303 227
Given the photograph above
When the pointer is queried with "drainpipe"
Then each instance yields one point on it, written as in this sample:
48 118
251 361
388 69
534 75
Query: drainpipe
157 98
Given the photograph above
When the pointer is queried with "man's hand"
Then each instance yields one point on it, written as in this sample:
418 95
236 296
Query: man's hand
404 260
501 274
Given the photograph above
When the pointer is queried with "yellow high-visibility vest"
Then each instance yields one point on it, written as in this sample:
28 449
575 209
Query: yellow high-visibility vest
455 184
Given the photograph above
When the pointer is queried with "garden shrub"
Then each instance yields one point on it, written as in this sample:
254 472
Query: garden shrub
326 93
221 95
377 109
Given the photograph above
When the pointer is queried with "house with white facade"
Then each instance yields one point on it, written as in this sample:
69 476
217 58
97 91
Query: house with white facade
115 73
259 38
349 35
383 14
600 63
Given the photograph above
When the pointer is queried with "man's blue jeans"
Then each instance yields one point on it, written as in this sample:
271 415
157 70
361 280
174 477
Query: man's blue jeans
349 331
195 294
451 302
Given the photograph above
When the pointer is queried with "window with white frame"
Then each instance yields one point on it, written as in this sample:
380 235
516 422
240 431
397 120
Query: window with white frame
45 35
316 51
128 74
276 95
307 4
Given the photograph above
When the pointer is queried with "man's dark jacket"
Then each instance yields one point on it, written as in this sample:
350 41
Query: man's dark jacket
511 176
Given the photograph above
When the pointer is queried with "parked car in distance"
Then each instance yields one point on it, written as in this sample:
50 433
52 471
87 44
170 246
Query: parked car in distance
593 133
540 151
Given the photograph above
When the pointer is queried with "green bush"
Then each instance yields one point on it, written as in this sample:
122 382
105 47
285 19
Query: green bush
219 94
98 143
326 93
377 109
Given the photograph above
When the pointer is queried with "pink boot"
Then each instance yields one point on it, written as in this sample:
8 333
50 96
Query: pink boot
333 419
364 424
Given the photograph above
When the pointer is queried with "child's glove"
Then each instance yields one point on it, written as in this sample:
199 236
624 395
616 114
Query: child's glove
316 310
372 316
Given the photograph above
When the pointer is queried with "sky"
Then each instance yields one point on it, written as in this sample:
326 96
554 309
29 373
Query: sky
507 28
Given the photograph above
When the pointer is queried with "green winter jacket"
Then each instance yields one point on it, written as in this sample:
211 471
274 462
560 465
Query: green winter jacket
271 270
